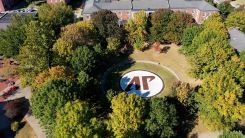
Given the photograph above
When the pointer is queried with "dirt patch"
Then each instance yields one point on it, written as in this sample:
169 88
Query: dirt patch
172 59
26 132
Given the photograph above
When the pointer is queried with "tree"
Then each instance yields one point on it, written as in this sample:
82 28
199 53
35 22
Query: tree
54 73
210 56
218 26
72 36
113 45
49 98
127 115
35 55
183 93
13 37
75 120
8 70
188 35
83 59
215 22
219 102
159 21
225 8
235 68
214 18
179 21
162 119
232 134
236 19
56 15
204 37
83 79
137 30
106 24
242 56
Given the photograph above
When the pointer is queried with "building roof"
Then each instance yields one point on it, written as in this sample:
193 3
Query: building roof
197 4
96 5
5 19
149 4
237 39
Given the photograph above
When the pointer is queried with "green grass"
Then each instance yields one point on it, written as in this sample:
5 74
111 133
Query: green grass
113 78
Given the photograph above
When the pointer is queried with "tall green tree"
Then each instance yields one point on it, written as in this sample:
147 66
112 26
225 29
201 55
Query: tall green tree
83 59
235 68
179 21
162 119
159 21
204 37
137 29
188 35
127 114
49 98
13 37
56 15
83 79
219 101
106 24
72 36
76 120
210 56
35 55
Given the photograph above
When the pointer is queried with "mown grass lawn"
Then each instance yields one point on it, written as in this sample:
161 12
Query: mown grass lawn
113 78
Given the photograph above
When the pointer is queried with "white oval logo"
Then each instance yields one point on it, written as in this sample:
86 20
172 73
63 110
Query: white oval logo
142 83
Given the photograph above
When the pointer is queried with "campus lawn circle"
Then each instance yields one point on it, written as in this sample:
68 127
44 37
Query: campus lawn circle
161 85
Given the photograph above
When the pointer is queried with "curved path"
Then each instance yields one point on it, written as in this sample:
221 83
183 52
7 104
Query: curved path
134 61
171 59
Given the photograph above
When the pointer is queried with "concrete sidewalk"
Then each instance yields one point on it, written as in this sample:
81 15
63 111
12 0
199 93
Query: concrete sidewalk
34 123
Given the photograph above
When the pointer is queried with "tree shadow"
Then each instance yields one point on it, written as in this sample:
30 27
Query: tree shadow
16 109
165 49
187 120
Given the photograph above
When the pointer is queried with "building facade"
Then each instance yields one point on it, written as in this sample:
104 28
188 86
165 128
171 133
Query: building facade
125 9
7 4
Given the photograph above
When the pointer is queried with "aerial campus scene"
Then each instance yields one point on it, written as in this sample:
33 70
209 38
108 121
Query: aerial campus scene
122 68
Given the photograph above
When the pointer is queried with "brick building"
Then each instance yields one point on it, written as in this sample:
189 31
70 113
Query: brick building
125 9
7 4
57 1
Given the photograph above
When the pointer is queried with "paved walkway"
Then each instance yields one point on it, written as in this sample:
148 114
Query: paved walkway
209 135
34 123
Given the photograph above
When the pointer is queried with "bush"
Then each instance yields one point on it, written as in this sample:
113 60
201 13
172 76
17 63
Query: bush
15 126
225 8
236 19
232 134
